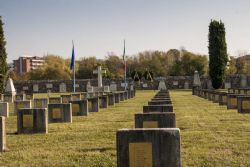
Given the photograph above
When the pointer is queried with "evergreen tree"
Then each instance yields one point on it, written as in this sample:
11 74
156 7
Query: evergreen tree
3 56
218 57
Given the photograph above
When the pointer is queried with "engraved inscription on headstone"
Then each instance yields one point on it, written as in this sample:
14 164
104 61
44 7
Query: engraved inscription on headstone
75 109
27 121
150 124
56 113
233 101
245 104
140 154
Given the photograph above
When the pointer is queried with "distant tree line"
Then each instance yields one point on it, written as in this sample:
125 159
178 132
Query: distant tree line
147 65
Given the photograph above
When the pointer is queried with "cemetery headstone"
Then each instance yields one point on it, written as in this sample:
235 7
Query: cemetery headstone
21 104
62 87
162 85
148 147
79 107
4 109
55 100
32 121
41 103
35 88
113 87
155 120
60 113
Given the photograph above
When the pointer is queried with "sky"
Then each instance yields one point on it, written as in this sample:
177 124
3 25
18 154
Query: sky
98 27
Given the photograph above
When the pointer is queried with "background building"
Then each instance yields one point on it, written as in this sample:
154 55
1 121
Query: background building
26 63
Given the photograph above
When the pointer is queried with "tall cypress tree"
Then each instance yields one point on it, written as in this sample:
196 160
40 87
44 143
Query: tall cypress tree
218 57
3 56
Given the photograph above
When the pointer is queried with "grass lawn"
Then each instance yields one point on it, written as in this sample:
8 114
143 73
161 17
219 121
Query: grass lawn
211 135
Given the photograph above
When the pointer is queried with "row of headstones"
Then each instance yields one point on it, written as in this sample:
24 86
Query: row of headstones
234 99
155 141
35 120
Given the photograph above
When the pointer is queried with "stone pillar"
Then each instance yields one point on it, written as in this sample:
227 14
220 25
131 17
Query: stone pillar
3 134
148 147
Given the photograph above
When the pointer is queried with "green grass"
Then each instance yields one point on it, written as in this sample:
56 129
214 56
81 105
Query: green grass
211 135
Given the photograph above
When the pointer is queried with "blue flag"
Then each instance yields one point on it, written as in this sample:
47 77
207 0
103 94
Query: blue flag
72 64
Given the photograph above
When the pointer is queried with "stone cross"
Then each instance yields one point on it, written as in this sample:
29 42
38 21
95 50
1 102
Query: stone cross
99 72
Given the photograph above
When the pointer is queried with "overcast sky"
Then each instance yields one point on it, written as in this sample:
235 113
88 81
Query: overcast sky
38 27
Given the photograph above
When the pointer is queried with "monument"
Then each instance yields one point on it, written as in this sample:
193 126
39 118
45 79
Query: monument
10 89
99 72
162 85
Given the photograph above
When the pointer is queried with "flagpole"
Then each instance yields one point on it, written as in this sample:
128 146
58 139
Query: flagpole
74 74
125 67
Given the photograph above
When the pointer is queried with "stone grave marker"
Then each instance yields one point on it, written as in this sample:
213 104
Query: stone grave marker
3 134
113 87
148 147
49 85
89 87
32 121
227 85
75 96
243 104
103 101
111 99
175 83
66 98
106 89
60 113
4 109
99 72
35 88
158 108
41 103
21 104
62 87
196 81
155 120
162 85
79 107
9 98
55 100
20 96
186 85
117 97
29 96
93 104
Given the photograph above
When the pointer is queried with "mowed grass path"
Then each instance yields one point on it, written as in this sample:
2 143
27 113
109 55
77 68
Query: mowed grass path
88 141
211 135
